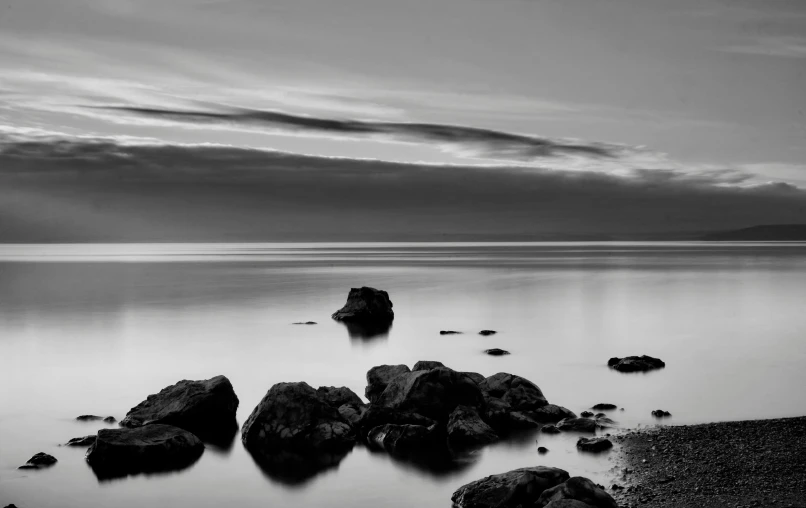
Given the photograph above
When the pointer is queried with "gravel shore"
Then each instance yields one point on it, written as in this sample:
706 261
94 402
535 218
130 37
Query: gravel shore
754 463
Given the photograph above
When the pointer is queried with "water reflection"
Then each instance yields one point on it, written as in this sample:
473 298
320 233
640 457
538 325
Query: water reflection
107 473
296 469
368 331
219 437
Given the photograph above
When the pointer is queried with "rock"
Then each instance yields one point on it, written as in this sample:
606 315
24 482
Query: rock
11 506
205 408
568 503
550 413
475 376
337 397
517 420
487 332
600 415
602 406
577 424
449 332
660 413
402 439
93 418
578 489
594 444
81 441
39 461
549 429
352 413
376 416
110 419
635 363
585 414
305 323
293 417
366 305
379 377
433 393
603 421
521 394
496 352
467 429
426 365
520 487
151 448
542 449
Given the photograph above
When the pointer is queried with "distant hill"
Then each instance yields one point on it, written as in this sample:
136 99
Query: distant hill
766 233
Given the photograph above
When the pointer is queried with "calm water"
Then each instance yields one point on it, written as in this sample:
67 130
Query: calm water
96 328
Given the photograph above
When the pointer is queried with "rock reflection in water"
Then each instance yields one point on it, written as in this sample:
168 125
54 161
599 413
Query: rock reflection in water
295 469
367 331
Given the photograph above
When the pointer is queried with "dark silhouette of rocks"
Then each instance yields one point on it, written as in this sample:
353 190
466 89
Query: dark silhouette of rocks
433 393
81 441
146 449
352 413
579 489
426 365
635 363
110 419
376 415
367 305
403 439
487 332
449 332
379 377
496 352
542 449
367 331
603 406
39 461
95 418
660 413
475 376
585 414
337 397
520 393
205 408
594 444
550 429
305 323
467 429
577 425
520 487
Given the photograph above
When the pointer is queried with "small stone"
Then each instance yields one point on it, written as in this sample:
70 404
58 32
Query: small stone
542 449
496 352
487 332
39 461
449 332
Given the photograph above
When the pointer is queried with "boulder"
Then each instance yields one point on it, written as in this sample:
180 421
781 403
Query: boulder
577 424
594 444
520 487
475 376
352 413
467 429
496 352
577 489
487 332
542 449
402 439
205 408
293 417
426 365
660 413
550 413
635 363
602 406
110 419
550 429
521 394
433 393
585 414
379 377
338 397
366 304
376 416
81 441
151 448
39 461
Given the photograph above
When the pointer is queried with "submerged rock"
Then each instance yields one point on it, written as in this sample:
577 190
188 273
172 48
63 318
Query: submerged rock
379 377
206 408
305 323
467 429
487 332
81 441
602 406
594 444
338 397
449 332
366 304
496 352
576 489
660 413
635 363
39 461
520 487
151 448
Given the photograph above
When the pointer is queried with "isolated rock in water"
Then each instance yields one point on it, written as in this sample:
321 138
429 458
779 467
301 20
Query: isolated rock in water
467 429
426 365
366 304
449 332
95 418
594 444
635 363
577 424
521 394
550 413
375 416
542 449
379 377
496 352
151 448
110 419
602 406
39 461
305 323
475 376
402 439
520 487
206 408
487 332
293 417
660 413
585 414
352 413
338 397
550 429
433 393
578 489
81 441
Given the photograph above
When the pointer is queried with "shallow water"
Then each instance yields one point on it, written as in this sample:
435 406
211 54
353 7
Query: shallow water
96 328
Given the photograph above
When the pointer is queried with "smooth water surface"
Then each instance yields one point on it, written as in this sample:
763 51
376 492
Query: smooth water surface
96 328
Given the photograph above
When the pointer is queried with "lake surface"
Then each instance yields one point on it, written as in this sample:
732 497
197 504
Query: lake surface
96 328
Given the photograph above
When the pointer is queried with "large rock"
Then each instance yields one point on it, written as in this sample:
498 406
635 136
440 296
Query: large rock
521 394
205 408
475 376
517 488
151 448
352 413
426 365
81 441
292 416
550 413
338 397
366 305
433 393
594 444
376 416
467 429
378 378
578 489
402 439
635 363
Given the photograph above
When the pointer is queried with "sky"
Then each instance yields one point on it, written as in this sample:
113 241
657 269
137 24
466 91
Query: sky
607 117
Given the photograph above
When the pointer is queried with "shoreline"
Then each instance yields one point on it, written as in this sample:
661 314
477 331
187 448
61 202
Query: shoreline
728 464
